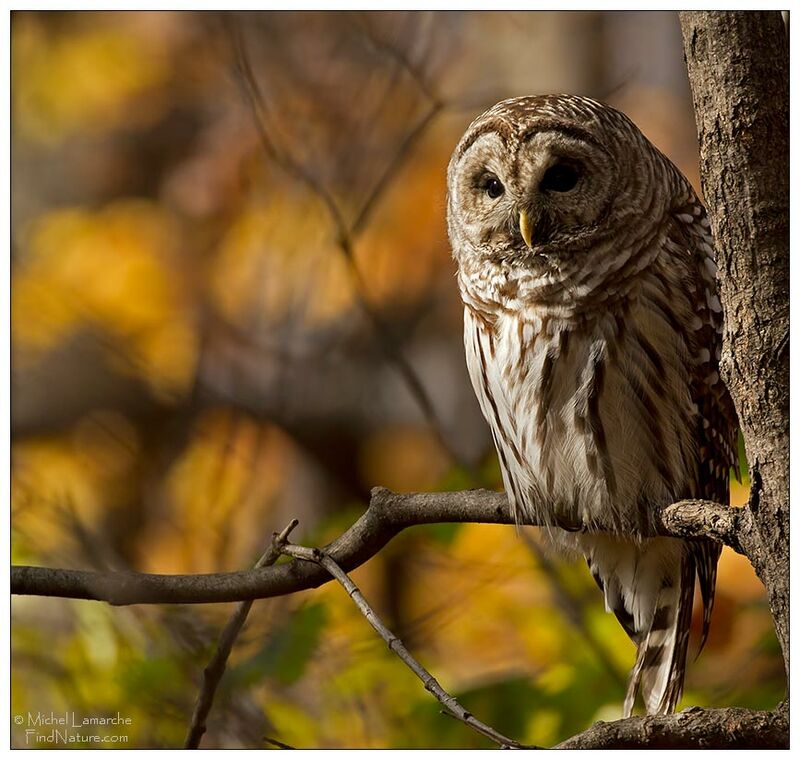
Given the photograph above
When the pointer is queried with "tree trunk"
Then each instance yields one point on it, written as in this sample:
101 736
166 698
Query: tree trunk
738 64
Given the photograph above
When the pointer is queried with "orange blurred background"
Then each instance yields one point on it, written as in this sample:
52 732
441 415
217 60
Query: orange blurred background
232 304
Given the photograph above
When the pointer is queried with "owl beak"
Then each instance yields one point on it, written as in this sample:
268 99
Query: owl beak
525 228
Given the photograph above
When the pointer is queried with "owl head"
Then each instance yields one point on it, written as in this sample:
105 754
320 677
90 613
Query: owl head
536 180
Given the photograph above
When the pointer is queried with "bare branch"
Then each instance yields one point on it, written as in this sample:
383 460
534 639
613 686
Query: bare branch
694 728
449 702
276 743
345 236
398 56
215 669
436 106
258 109
388 514
394 165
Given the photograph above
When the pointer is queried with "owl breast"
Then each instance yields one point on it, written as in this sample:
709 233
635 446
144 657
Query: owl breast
592 416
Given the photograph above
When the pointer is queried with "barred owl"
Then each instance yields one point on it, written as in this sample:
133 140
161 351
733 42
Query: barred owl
592 329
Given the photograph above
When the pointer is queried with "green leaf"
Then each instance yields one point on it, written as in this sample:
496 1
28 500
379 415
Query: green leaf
151 676
287 651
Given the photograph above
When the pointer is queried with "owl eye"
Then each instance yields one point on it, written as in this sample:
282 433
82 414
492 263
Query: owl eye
494 187
560 178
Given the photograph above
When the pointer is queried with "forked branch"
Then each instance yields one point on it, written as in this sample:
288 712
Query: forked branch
449 702
215 669
388 514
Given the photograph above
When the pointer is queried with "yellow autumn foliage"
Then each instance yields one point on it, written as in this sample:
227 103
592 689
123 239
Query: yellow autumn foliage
268 272
224 483
112 270
85 80
59 480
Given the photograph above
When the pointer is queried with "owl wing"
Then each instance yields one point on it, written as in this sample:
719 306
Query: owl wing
717 424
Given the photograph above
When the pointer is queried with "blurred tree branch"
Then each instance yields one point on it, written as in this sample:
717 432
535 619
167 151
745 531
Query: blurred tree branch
346 234
216 668
388 514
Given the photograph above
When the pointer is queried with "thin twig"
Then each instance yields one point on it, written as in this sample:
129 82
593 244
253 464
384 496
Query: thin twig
216 668
258 110
276 743
436 105
345 236
431 684
394 166
398 56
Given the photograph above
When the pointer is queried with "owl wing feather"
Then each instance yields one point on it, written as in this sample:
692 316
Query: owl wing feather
661 677
662 641
717 422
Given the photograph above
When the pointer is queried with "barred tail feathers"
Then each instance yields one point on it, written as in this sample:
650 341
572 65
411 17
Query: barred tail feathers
649 586
706 555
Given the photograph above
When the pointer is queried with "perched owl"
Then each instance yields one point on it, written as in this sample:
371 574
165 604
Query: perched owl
592 329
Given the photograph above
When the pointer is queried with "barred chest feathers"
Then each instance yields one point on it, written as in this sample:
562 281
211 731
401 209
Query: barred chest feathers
591 411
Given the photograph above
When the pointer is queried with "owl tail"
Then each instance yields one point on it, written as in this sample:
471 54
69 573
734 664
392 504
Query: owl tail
649 586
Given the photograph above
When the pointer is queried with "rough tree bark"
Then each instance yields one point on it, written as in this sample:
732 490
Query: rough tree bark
738 64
